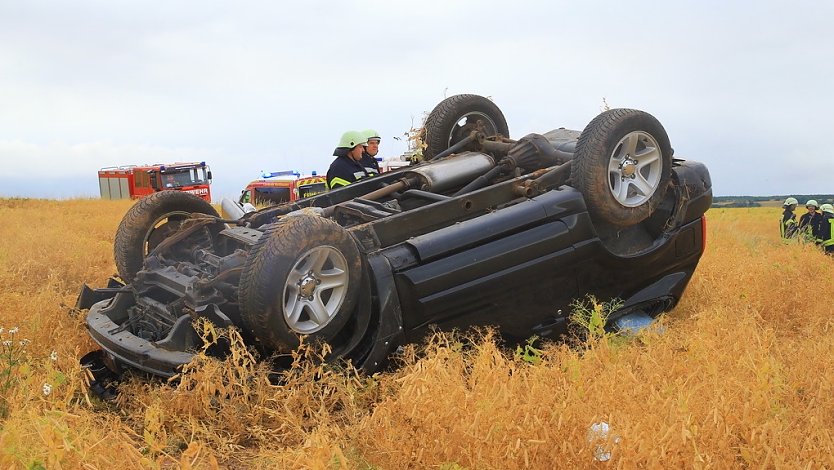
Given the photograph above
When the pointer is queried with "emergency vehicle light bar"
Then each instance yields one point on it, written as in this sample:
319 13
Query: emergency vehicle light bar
280 173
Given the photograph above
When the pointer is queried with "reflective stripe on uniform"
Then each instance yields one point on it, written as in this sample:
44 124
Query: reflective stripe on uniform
337 182
830 241
787 228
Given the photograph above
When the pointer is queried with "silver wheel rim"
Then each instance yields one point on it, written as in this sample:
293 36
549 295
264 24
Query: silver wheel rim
315 289
635 169
469 120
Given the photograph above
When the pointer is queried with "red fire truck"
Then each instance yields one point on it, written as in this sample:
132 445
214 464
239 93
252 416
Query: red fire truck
282 186
135 181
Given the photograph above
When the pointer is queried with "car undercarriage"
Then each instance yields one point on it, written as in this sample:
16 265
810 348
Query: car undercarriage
487 230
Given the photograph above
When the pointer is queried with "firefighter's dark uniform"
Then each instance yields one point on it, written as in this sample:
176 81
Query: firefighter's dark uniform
787 227
827 233
370 163
810 226
344 171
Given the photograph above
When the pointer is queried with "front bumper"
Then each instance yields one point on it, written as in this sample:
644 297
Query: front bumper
124 348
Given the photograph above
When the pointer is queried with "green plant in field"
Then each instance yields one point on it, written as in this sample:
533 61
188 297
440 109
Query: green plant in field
528 353
592 315
12 352
451 466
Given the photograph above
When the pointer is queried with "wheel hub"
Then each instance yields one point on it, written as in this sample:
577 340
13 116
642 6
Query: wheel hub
315 290
307 286
628 167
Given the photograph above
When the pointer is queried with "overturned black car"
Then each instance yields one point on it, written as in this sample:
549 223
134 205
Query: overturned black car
485 231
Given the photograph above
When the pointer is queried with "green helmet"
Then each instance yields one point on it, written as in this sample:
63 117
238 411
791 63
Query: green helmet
791 201
351 139
371 134
827 208
812 202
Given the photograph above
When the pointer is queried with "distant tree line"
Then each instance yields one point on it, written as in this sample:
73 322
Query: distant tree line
756 201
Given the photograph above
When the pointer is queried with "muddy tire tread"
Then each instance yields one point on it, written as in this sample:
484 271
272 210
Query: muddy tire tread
134 226
444 116
266 268
589 168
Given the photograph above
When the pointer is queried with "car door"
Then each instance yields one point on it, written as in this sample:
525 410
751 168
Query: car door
513 267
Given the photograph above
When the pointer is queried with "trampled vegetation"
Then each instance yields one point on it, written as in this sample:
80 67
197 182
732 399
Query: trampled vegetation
738 375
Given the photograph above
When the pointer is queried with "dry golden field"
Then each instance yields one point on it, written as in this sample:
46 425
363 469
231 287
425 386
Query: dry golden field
740 376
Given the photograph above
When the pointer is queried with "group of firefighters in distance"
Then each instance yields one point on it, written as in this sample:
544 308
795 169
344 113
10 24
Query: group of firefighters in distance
355 158
813 226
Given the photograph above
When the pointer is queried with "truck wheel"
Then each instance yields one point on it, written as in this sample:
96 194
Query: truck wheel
148 222
622 165
455 117
301 278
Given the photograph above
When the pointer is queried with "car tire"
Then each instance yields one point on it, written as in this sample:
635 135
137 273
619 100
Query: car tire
443 127
281 293
152 219
622 166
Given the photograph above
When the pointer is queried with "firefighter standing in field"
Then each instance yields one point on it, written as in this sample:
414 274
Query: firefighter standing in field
787 227
810 222
347 167
827 229
371 151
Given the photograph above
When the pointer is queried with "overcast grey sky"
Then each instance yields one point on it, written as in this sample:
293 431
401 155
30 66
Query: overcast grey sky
744 86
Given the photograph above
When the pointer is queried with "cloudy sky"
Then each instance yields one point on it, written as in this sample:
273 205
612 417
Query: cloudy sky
744 86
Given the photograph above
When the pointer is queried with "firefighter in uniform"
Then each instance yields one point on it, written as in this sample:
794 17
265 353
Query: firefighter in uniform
827 231
347 167
810 222
371 151
787 227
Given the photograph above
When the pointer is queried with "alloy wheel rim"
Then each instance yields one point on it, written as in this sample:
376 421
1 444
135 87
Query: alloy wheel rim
635 168
315 289
469 120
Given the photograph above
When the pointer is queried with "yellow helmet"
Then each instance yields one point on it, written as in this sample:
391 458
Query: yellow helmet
351 139
371 134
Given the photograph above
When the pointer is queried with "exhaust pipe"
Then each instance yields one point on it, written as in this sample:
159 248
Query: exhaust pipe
233 210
